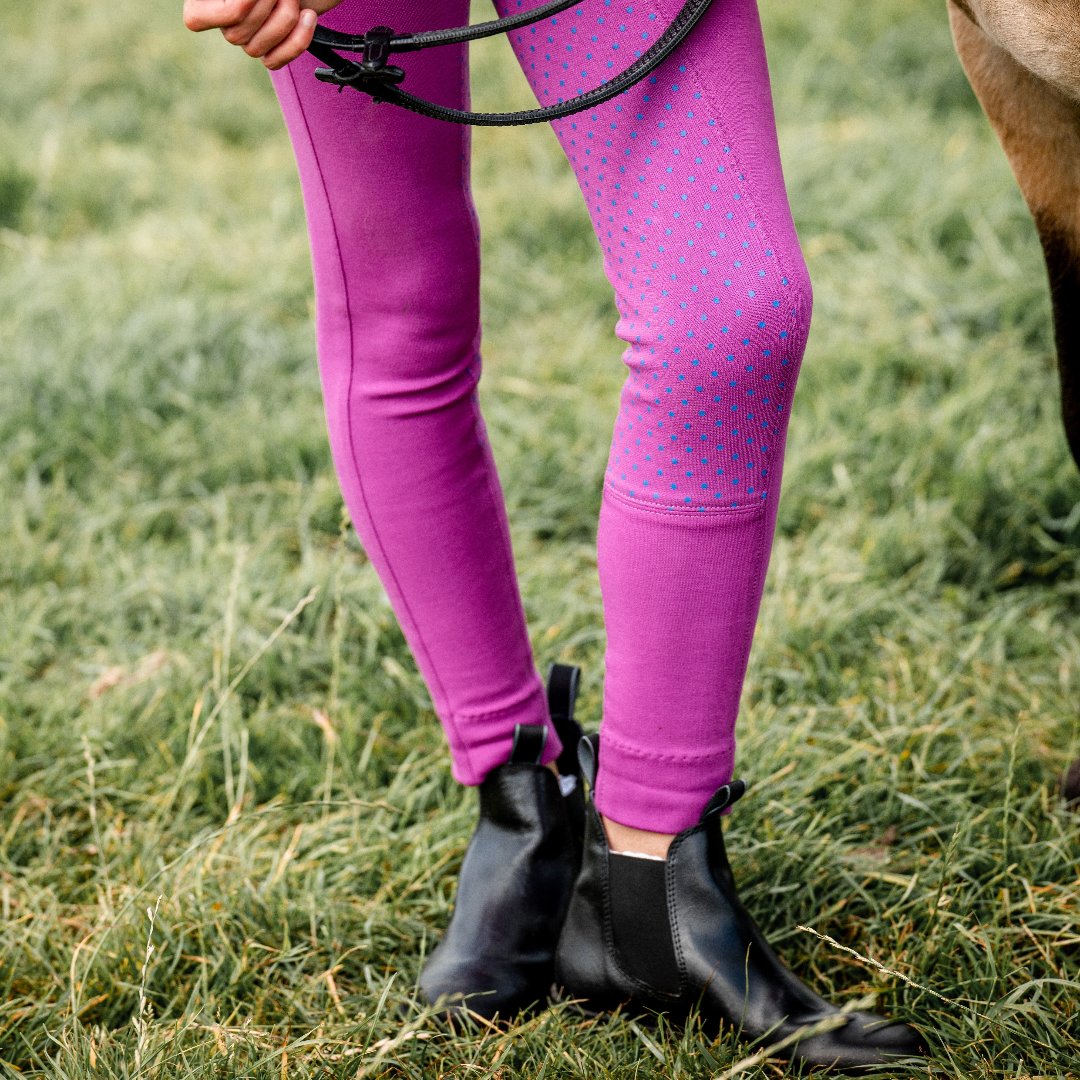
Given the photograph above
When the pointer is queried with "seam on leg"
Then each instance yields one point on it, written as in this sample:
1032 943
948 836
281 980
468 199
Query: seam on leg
651 755
352 373
492 713
669 510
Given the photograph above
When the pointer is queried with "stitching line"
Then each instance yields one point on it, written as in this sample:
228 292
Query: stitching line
353 454
630 751
690 513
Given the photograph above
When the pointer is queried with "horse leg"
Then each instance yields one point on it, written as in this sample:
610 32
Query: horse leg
1039 129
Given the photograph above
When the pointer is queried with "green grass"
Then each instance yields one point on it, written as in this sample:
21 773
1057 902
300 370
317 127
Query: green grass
208 713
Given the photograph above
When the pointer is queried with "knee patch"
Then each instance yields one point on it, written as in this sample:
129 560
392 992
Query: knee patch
703 412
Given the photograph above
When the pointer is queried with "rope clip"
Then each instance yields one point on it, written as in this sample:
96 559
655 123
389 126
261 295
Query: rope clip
372 72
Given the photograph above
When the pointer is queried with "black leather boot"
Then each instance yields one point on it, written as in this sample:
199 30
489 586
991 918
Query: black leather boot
672 936
498 955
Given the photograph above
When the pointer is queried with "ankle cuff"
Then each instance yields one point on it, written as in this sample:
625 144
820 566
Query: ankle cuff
481 742
658 794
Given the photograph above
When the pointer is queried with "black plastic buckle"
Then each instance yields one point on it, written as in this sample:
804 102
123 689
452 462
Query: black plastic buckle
377 48
372 72
356 75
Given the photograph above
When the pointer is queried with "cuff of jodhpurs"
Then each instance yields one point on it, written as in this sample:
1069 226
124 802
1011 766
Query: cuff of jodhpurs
481 743
645 790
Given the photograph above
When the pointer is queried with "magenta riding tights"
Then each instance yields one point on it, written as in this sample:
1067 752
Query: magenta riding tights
681 176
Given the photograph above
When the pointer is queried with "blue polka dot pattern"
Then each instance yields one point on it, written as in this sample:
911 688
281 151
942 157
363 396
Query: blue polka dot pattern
714 317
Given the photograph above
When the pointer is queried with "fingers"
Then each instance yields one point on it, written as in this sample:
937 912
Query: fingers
242 32
279 24
294 44
202 15
275 31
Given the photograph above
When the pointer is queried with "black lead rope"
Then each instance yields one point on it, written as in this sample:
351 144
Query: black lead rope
373 75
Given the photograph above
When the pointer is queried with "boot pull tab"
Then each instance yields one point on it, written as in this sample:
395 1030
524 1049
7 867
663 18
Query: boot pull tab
562 692
529 743
724 798
588 755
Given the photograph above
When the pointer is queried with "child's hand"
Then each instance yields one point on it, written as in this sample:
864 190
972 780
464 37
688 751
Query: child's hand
275 31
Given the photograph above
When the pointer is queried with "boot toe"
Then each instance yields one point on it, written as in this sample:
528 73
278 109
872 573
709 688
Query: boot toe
865 1040
472 989
890 1038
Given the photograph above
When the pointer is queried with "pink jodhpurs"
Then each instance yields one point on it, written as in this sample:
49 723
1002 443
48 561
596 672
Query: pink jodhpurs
682 178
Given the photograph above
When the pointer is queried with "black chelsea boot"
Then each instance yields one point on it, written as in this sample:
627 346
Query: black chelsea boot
672 936
497 957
